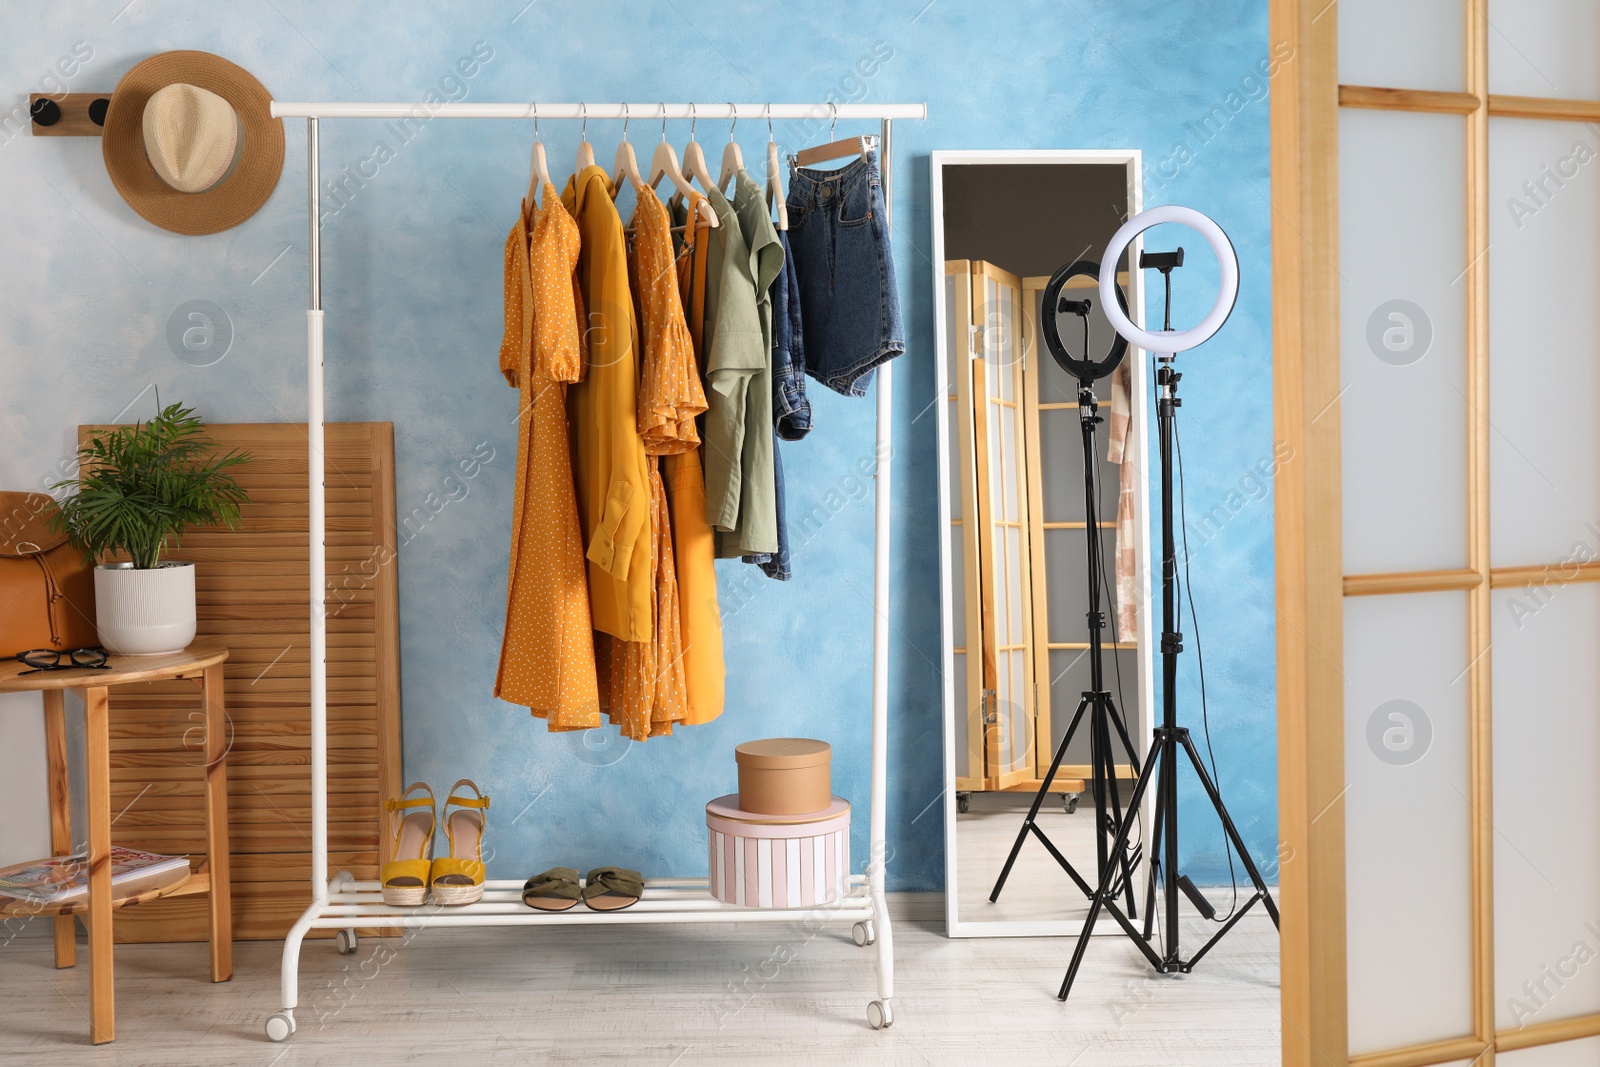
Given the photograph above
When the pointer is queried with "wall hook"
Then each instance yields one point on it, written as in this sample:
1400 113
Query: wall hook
68 114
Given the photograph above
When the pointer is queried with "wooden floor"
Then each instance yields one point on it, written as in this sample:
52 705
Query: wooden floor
680 995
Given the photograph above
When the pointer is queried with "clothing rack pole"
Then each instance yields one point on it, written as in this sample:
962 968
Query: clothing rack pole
880 623
316 466
345 903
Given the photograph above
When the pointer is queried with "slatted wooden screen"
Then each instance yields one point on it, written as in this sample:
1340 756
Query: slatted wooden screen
251 589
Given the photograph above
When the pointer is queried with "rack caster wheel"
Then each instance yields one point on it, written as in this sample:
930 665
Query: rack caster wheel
1069 801
963 802
345 941
880 1015
280 1025
864 933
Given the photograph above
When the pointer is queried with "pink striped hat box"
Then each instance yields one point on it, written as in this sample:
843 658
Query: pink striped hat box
778 861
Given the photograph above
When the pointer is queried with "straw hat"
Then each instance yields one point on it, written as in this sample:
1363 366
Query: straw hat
190 142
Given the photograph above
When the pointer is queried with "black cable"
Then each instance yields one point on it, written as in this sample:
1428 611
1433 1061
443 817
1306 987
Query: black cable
1200 660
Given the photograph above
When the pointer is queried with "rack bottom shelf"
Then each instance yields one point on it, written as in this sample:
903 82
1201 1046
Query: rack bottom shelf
351 904
665 900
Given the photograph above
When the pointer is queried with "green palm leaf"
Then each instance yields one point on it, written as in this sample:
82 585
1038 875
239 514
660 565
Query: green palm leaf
141 487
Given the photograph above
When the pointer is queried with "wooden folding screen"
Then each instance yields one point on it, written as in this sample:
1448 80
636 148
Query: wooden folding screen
1436 262
251 591
1008 660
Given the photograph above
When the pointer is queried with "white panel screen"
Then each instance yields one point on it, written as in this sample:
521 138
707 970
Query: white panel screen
1402 341
1546 803
1544 288
1543 48
1414 44
1408 875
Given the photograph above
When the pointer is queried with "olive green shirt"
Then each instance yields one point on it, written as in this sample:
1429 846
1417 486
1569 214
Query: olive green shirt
741 499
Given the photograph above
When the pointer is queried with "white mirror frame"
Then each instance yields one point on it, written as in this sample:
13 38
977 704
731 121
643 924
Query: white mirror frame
955 926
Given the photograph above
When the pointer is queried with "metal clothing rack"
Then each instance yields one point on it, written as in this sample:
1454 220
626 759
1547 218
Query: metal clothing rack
344 903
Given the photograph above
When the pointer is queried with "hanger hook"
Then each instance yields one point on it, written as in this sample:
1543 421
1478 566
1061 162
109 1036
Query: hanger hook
733 116
535 108
663 122
770 136
627 113
833 109
583 110
694 119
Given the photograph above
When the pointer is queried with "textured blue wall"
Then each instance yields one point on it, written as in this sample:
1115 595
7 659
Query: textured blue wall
413 250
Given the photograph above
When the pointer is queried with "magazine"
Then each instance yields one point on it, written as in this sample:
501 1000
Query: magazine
60 878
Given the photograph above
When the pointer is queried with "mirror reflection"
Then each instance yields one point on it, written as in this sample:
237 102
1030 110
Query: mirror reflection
1019 500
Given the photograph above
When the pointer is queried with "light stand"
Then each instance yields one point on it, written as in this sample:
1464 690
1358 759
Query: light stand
1169 739
1102 715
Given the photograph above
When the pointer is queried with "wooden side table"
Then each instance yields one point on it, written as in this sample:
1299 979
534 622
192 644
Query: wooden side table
201 661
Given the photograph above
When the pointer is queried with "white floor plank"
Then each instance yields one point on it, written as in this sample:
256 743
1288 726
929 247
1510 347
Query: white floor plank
680 995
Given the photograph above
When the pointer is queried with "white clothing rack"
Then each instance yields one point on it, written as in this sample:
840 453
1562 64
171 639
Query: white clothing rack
343 903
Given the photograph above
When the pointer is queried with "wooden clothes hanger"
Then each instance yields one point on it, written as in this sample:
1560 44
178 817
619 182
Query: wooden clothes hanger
732 158
627 164
775 197
585 149
664 164
539 166
694 158
825 153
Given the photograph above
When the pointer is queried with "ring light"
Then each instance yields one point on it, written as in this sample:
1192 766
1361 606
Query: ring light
1172 341
1084 369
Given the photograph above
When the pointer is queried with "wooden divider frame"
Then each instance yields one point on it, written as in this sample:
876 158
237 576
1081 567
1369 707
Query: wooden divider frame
1310 584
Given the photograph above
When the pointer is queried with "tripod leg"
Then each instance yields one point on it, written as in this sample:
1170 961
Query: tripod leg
1118 815
1104 889
1232 831
1152 867
1127 743
1106 773
1038 800
1098 759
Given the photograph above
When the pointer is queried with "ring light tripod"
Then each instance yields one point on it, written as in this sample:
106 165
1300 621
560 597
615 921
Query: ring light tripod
1102 715
1169 738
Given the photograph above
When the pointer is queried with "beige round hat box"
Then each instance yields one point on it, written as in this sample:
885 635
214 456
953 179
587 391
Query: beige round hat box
784 776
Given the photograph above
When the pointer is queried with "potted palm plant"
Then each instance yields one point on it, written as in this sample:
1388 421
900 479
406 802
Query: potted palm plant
139 489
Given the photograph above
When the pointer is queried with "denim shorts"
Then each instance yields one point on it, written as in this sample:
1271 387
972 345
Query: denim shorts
849 304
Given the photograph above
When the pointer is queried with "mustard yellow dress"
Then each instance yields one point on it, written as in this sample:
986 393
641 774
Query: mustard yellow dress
547 655
608 459
701 616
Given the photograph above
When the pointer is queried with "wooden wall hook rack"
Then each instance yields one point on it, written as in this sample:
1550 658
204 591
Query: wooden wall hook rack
68 114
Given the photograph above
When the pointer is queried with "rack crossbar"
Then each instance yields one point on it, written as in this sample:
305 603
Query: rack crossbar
635 112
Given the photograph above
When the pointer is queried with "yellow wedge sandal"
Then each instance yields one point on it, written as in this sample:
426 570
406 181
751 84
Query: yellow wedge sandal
405 878
458 877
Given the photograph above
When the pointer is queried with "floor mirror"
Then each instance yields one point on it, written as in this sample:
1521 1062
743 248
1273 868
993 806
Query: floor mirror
1014 534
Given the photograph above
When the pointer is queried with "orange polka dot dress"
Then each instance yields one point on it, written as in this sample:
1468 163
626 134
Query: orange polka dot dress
547 658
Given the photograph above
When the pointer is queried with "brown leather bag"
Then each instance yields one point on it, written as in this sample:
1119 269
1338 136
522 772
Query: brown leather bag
46 590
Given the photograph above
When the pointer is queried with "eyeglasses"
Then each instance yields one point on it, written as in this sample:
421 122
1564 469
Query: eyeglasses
50 659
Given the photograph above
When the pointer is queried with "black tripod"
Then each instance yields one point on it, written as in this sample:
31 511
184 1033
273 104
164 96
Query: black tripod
1169 739
1101 711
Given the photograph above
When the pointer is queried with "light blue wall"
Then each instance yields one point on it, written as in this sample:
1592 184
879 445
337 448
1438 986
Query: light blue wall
413 297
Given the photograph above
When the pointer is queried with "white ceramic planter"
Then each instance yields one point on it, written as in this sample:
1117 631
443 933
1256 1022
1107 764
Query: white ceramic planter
144 612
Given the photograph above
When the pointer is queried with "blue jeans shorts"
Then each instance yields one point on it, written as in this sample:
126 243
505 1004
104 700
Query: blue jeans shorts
849 304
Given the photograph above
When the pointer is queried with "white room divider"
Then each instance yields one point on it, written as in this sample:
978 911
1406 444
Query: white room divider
1438 378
